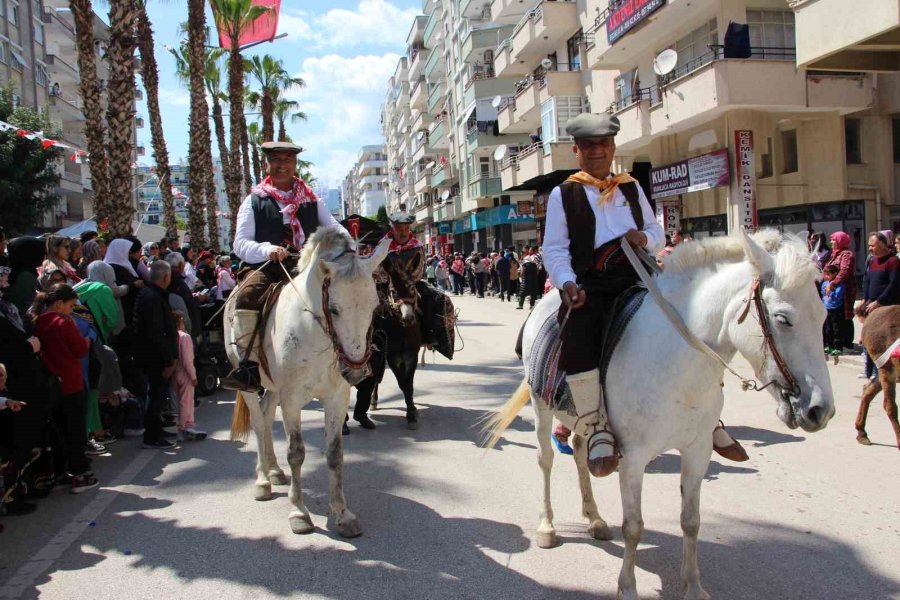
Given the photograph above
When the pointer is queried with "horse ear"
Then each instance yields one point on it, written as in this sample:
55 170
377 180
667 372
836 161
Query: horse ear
378 255
761 261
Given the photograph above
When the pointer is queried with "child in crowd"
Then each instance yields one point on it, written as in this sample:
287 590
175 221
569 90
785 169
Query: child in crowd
834 304
185 380
224 278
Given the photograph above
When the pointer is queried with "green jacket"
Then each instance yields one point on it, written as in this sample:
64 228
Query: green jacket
103 306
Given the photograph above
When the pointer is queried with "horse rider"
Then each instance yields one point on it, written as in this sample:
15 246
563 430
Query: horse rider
587 216
273 223
405 262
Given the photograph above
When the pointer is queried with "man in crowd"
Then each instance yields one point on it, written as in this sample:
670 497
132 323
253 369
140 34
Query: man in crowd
157 353
273 223
405 262
881 286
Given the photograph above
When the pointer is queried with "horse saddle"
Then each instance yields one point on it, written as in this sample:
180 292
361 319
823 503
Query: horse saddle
543 375
268 299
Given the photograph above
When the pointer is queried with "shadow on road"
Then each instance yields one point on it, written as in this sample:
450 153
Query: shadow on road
671 463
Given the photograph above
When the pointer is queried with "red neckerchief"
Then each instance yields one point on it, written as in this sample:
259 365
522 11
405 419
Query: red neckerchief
289 202
412 242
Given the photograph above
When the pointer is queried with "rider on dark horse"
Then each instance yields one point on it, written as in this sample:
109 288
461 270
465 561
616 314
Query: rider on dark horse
587 216
273 223
405 262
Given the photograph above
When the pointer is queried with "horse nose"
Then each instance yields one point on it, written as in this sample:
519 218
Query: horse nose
814 415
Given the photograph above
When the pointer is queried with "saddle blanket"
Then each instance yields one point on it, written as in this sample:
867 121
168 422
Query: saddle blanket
438 319
546 379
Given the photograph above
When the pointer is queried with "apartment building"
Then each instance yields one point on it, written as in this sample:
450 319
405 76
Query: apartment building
363 190
38 55
149 194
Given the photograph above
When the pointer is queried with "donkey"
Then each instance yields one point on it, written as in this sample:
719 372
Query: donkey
316 343
711 284
879 333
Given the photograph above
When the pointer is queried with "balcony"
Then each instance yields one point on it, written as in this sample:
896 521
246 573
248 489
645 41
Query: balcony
68 102
423 181
435 67
60 69
417 64
506 10
424 213
482 39
481 134
431 27
441 175
422 121
543 29
485 186
435 98
505 63
448 210
520 170
438 135
418 97
533 91
422 147
487 88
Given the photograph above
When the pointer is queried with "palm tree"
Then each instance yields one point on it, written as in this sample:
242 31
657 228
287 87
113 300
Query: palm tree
150 77
92 107
254 132
273 78
283 109
200 152
120 114
232 18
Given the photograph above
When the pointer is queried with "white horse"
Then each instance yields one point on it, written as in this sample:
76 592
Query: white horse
661 400
316 343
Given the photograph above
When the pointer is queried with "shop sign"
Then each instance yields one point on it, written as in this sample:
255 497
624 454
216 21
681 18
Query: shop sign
524 207
668 215
702 172
746 178
444 228
627 14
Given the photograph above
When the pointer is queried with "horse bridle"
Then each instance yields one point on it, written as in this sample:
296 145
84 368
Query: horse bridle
790 386
345 361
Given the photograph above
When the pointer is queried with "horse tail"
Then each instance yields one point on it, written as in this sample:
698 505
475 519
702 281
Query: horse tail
498 422
240 422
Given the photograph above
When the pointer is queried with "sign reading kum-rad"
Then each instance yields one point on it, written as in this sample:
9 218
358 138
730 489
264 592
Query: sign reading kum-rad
626 15
702 172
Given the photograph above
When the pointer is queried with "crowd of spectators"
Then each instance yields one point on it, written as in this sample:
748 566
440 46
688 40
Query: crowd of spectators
97 342
504 275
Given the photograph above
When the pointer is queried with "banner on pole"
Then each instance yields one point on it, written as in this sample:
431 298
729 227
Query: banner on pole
261 30
746 178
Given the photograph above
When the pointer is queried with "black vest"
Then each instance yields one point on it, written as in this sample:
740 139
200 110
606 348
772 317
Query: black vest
270 223
582 224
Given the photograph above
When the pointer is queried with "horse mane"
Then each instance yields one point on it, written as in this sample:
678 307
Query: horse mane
333 244
794 266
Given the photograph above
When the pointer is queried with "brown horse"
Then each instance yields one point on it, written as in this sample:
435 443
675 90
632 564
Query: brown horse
881 330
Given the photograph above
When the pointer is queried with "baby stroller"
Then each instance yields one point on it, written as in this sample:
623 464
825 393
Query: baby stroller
210 359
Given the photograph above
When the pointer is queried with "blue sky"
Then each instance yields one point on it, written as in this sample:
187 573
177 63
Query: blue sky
346 50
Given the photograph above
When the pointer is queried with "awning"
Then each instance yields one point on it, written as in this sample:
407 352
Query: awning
18 58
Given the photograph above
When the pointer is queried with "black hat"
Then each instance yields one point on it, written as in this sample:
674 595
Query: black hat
268 147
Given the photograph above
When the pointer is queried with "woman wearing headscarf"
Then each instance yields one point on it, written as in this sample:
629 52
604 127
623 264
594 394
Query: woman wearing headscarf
149 252
58 253
106 306
118 256
842 258
92 251
25 257
821 253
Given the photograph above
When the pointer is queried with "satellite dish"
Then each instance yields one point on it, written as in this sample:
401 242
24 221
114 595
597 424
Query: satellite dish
420 135
665 62
501 152
445 195
547 63
497 101
430 165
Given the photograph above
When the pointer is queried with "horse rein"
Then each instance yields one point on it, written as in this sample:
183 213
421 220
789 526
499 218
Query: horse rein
698 344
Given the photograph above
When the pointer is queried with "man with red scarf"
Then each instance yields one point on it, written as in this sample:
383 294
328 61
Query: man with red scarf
273 223
405 262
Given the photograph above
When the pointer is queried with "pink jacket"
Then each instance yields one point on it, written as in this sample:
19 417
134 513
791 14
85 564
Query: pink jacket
185 373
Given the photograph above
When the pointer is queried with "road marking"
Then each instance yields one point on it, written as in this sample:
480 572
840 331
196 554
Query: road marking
41 562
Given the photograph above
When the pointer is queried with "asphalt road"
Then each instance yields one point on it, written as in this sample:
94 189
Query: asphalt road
808 517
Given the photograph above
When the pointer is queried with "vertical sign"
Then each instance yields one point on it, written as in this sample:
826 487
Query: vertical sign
746 178
668 215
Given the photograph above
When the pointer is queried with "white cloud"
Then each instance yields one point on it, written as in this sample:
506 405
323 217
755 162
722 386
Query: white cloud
343 99
174 97
372 23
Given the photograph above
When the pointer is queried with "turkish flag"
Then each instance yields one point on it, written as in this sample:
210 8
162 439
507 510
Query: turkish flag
261 30
354 227
48 143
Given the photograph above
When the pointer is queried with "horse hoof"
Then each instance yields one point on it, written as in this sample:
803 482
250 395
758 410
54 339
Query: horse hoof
262 492
349 528
412 425
864 440
301 524
545 539
278 478
600 531
697 593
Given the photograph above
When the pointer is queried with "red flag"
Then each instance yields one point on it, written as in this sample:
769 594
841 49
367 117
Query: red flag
48 143
354 228
261 30
21 132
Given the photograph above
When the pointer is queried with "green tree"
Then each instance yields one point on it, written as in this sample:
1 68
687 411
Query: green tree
28 171
382 216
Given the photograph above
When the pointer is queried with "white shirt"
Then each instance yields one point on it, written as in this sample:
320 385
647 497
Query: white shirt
190 275
613 219
225 283
245 245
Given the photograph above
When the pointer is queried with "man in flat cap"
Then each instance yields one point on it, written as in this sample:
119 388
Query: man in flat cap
273 223
586 218
405 262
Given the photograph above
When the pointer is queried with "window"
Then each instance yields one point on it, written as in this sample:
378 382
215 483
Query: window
789 151
626 88
573 49
853 141
484 163
765 161
17 62
694 48
895 140
3 52
772 34
14 14
555 113
37 31
40 75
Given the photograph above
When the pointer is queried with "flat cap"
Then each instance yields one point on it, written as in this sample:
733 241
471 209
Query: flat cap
587 125
268 147
402 217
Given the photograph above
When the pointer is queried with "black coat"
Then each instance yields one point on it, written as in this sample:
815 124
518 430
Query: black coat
124 277
156 339
180 288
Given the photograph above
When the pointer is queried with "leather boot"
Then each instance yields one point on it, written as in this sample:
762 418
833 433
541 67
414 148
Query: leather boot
726 446
245 377
603 450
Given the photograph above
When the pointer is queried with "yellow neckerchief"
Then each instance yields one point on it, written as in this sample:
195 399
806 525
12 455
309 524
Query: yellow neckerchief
606 186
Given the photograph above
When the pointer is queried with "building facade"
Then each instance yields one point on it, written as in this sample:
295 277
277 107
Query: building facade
733 113
363 191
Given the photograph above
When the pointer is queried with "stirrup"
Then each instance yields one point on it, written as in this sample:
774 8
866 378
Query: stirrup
605 465
243 378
